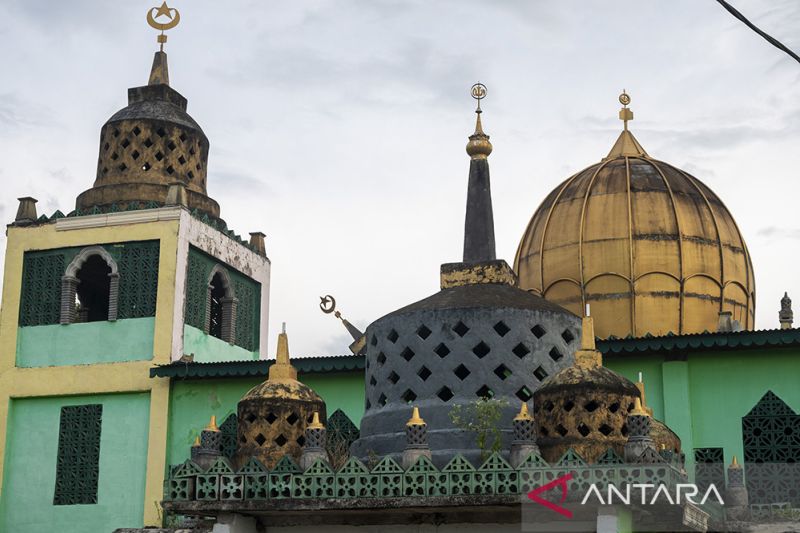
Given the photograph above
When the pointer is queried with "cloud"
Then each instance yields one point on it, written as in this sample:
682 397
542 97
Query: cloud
774 232
17 113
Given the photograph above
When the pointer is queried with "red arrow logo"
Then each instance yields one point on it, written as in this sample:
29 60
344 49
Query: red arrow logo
558 482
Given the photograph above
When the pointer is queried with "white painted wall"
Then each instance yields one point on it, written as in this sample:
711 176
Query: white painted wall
218 245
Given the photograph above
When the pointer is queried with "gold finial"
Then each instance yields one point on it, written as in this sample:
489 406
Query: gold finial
523 413
315 423
282 369
626 144
212 424
479 146
196 442
637 408
327 304
588 356
587 330
640 386
735 463
625 114
170 19
415 419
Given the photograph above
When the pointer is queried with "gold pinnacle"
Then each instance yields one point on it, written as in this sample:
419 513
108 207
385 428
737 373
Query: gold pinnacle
282 369
478 146
315 423
196 442
212 424
735 463
625 114
415 419
523 413
637 408
172 19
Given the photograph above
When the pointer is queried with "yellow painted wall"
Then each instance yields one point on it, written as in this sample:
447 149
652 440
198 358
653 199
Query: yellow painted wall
100 378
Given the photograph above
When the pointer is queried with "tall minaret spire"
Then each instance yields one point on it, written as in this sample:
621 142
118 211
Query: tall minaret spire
479 223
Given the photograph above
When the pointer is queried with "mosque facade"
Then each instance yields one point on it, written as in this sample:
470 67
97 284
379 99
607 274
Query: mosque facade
620 349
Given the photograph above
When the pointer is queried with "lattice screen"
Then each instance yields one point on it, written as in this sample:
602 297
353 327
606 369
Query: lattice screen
138 279
40 301
228 429
40 298
771 434
709 468
78 462
247 291
342 432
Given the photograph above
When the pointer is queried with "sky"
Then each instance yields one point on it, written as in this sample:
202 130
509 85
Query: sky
338 127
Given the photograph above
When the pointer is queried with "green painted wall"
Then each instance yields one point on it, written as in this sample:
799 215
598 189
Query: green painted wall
724 387
26 505
192 402
86 343
651 375
207 348
704 397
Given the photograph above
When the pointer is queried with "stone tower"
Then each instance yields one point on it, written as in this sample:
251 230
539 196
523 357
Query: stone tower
479 337
149 145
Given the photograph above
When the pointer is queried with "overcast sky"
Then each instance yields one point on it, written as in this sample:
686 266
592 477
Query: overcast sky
338 127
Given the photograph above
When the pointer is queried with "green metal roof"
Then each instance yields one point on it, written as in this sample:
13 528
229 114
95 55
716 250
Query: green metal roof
241 369
740 340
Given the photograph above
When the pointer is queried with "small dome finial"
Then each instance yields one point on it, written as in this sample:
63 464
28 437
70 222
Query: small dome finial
626 145
523 413
282 368
163 18
625 114
479 146
315 423
786 315
415 419
212 424
638 410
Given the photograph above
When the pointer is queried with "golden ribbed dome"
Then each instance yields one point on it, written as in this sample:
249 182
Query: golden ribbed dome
649 246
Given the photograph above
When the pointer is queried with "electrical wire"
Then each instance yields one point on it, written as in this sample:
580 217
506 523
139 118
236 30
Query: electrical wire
771 40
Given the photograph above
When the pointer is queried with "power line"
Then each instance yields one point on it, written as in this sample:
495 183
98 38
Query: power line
771 40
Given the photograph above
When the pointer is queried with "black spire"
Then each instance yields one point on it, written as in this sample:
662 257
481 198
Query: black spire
479 223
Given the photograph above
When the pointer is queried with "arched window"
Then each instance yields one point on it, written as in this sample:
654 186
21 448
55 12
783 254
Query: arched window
90 287
221 306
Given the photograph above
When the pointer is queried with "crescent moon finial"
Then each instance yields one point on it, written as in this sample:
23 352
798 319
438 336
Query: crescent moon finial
327 304
163 18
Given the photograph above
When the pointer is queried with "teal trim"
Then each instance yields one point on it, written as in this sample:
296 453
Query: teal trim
26 504
207 348
246 369
86 343
702 341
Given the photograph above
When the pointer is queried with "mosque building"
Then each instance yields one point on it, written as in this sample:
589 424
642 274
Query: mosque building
619 350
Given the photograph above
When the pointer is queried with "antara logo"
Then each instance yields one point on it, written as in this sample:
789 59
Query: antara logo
684 493
648 494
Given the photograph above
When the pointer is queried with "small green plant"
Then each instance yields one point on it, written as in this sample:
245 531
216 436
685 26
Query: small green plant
481 416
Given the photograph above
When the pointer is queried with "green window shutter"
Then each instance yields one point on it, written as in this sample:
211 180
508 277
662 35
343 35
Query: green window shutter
40 300
78 462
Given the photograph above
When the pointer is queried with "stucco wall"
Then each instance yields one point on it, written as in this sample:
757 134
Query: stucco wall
26 504
218 245
86 343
